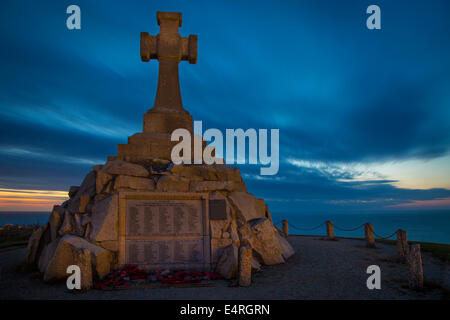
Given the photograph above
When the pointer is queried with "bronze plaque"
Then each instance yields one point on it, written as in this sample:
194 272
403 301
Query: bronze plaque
218 209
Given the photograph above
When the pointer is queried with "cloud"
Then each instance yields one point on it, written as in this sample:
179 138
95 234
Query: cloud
316 187
41 154
364 117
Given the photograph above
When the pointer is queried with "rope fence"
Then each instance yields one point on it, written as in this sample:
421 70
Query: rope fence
407 253
353 229
330 224
383 238
306 229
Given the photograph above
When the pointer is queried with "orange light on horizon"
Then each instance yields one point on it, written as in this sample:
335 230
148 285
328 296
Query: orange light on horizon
418 204
30 200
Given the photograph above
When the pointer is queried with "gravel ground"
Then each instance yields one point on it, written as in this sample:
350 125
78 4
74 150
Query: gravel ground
319 270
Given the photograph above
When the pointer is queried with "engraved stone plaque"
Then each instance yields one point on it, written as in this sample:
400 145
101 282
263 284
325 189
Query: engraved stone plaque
161 252
166 233
165 217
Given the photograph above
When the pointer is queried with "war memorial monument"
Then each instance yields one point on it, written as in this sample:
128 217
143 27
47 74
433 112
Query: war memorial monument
140 208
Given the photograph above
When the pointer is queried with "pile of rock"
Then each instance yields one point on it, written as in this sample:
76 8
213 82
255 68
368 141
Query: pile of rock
83 230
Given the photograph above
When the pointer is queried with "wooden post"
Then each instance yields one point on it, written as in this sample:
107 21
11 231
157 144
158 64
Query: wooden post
402 243
415 267
245 266
330 230
368 233
285 227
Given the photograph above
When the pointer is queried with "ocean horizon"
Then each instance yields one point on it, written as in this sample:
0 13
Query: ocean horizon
421 225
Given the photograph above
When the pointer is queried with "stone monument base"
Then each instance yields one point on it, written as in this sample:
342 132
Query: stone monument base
155 140
143 146
158 215
166 120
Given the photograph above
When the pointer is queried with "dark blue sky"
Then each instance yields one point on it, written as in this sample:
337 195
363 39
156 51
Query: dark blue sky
364 116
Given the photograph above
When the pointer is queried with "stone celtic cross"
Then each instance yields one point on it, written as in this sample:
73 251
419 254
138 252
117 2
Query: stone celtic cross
169 48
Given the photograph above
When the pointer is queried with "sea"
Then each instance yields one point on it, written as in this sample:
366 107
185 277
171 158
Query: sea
421 225
429 226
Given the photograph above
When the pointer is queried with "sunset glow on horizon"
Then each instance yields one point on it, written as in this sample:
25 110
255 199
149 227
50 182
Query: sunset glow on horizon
30 200
425 204
18 200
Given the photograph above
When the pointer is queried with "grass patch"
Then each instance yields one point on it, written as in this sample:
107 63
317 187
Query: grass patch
13 235
11 243
439 250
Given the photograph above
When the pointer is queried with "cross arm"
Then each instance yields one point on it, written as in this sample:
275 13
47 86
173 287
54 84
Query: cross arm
148 47
189 49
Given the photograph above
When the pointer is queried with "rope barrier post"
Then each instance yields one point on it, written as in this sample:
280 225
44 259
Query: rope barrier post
368 233
415 267
285 227
330 230
402 243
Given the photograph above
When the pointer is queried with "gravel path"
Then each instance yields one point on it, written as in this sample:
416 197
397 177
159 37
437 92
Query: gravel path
319 270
